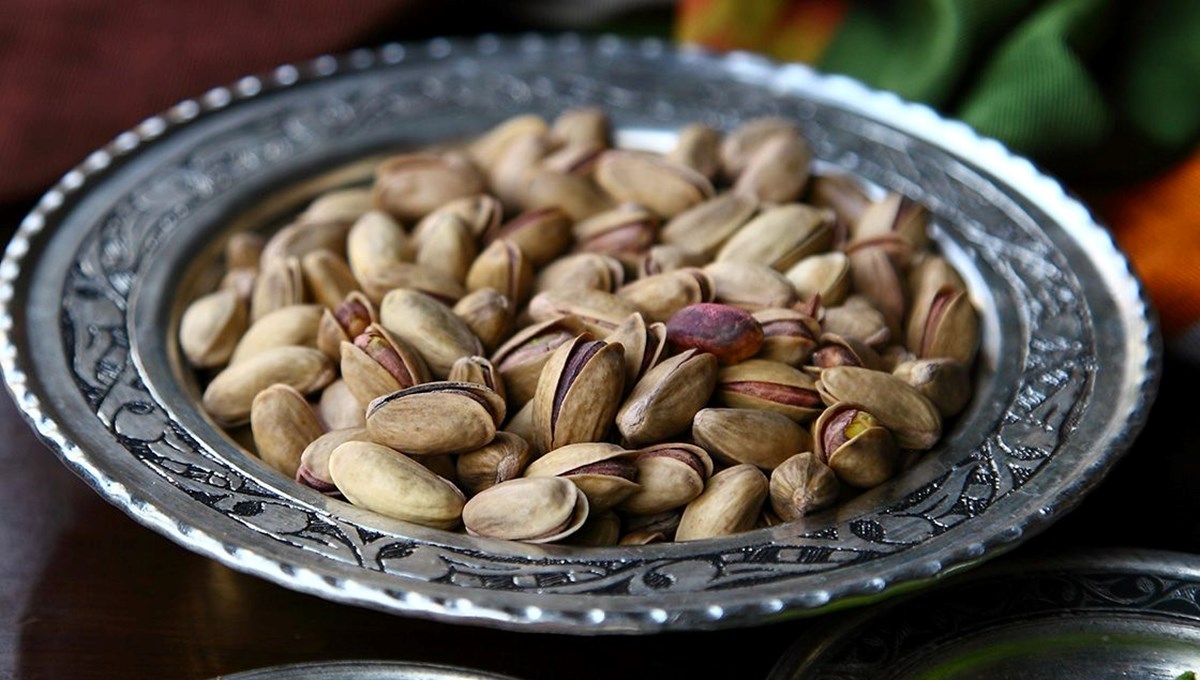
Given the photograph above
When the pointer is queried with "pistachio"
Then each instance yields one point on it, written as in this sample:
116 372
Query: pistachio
730 504
510 176
328 276
243 250
300 238
210 328
487 150
435 418
572 159
502 459
385 481
412 185
520 360
669 475
899 407
894 216
788 336
824 275
835 350
625 231
293 325
343 323
948 328
598 312
344 205
541 234
605 473
769 386
375 244
578 393
945 382
777 171
738 435
279 284
740 145
339 409
878 278
482 213
853 444
663 402
489 315
582 270
802 485
502 266
663 186
661 259
780 236
750 286
240 280
698 147
660 296
584 126
314 460
378 363
448 245
530 509
859 320
705 227
478 370
427 280
644 344
230 394
728 333
577 196
283 424
429 327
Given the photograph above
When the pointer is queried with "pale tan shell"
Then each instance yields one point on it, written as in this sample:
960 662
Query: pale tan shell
730 504
385 481
429 327
283 424
911 418
295 325
210 328
664 401
738 435
229 396
530 509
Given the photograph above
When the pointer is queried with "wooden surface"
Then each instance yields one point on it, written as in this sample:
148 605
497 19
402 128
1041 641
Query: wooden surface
86 592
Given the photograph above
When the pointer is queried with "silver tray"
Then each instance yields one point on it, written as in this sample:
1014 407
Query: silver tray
364 670
1095 615
92 285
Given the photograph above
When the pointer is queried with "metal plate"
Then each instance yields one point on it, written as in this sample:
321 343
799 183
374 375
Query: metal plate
364 670
1122 614
96 277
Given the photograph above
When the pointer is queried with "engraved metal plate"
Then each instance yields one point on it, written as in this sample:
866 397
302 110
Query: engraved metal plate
1096 615
92 286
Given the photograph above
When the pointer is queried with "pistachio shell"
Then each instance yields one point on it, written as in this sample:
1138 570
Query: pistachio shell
342 323
605 473
435 418
851 441
378 363
781 236
343 205
769 386
658 297
230 394
210 328
283 424
427 280
429 327
777 171
644 345
598 312
911 418
541 234
802 485
698 147
488 148
705 227
300 238
412 185
374 244
314 460
339 409
945 382
582 126
663 402
740 145
582 270
750 285
489 315
327 276
502 459
388 482
824 275
478 370
578 393
243 250
576 196
738 435
449 246
504 267
279 284
669 475
530 509
661 185
729 504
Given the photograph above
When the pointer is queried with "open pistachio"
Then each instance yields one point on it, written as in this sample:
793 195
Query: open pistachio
835 350
411 186
911 418
728 333
530 509
740 145
502 266
781 236
489 314
328 277
730 504
229 396
448 245
777 171
210 328
578 393
749 285
541 234
571 159
605 473
669 475
343 205
300 238
658 297
854 445
769 386
283 424
429 327
857 319
661 259
378 363
948 328
698 147
314 460
894 216
802 485
789 336
624 231
945 382
738 435
824 275
661 185
582 270
663 402
598 312
478 370
502 459
339 409
644 344
481 213
376 243
436 417
341 323
386 481
707 226
521 359
279 284
577 196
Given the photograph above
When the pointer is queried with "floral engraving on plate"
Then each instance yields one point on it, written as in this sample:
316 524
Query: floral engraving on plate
1040 399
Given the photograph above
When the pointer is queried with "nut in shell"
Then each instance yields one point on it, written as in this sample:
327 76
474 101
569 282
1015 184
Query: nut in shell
853 444
530 509
705 227
605 473
737 435
802 485
520 360
664 401
598 312
411 186
342 323
314 460
823 275
375 243
913 421
502 459
283 424
777 171
478 370
504 267
750 285
436 417
658 297
385 481
578 393
643 343
230 394
789 336
542 234
669 475
429 327
582 270
730 504
489 315
379 363
663 186
769 386
945 382
210 328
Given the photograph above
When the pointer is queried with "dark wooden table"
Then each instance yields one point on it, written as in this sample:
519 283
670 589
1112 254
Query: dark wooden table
85 592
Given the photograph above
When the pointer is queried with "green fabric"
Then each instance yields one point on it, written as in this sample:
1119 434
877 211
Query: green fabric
1093 88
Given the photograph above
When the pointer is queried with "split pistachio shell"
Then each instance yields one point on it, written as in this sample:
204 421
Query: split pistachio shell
583 126
478 370
643 343
740 145
857 319
314 460
661 185
823 275
385 481
738 435
730 504
502 459
842 194
230 394
413 185
378 363
605 473
504 267
750 285
487 149
663 402
530 509
283 424
521 423
448 245
520 360
327 276
342 323
626 230
375 243
661 259
855 446
210 328
429 327
489 315
582 270
781 236
510 176
894 216
835 350
899 407
436 417
777 171
948 328
279 284
769 386
482 213
339 409
578 393
945 382
878 278
789 336
598 312
669 475
707 226
802 485
698 147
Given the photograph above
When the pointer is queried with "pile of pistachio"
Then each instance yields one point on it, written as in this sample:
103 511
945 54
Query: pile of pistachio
538 337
